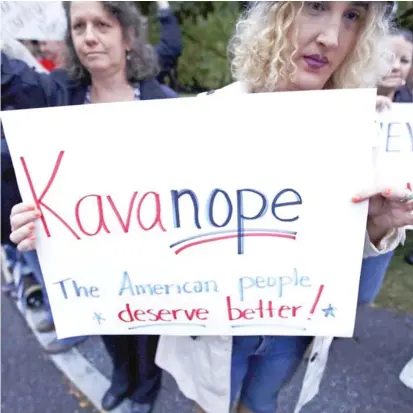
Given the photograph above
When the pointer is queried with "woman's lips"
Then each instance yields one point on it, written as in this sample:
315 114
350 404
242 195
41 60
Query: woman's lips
315 62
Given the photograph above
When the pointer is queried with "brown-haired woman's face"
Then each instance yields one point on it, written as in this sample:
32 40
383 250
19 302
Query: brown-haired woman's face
402 63
97 38
327 33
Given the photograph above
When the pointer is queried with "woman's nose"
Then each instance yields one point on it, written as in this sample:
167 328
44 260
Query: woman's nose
90 36
329 35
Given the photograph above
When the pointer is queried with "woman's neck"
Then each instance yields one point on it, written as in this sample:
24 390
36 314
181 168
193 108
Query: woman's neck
388 92
113 88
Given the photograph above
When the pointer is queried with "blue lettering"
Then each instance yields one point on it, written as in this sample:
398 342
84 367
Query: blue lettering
410 130
279 283
211 201
126 285
79 290
276 205
241 217
63 288
184 287
176 195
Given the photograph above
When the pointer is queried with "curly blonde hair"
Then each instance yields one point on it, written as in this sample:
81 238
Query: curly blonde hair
262 56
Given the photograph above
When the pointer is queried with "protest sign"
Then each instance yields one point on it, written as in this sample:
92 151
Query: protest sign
33 20
200 216
395 147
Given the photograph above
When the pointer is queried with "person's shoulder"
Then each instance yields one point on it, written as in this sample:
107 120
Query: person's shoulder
61 76
403 95
169 93
236 88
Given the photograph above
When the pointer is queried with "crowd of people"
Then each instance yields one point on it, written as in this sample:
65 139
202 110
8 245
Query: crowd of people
276 47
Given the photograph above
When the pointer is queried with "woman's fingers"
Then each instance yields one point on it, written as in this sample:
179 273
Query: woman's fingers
27 245
22 207
392 194
23 233
21 219
382 103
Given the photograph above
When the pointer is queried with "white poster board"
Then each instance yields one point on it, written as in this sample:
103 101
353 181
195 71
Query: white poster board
200 216
33 20
395 147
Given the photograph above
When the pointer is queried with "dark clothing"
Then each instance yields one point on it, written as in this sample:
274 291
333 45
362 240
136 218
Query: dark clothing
135 375
23 88
135 372
403 95
10 195
169 47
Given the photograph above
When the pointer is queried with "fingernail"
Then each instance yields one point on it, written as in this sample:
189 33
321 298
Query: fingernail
30 208
31 227
32 237
409 186
387 192
356 199
38 214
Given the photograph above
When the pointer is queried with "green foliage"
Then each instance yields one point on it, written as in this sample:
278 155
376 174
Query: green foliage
205 61
405 14
206 29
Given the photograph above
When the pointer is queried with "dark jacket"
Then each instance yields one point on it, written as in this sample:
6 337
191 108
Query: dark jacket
23 88
169 47
403 95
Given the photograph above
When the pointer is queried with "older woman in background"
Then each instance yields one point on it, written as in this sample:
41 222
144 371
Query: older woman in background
108 60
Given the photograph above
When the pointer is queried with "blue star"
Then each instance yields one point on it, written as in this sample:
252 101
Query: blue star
330 310
98 317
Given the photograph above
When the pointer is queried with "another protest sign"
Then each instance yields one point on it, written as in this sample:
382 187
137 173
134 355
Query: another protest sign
33 20
395 148
201 222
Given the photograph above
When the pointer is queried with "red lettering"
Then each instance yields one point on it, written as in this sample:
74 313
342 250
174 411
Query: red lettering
151 312
124 224
264 310
239 313
281 311
129 313
163 315
175 313
39 200
202 314
101 223
190 314
157 220
137 314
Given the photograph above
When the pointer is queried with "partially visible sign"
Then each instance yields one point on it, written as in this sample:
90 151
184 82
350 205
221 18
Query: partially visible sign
395 149
33 20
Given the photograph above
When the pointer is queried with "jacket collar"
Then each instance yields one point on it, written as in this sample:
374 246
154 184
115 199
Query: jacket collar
150 89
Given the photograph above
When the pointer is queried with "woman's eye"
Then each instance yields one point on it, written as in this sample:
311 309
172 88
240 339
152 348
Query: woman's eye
102 24
315 6
77 26
353 15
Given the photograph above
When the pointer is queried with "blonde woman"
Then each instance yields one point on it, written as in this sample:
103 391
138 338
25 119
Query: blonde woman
288 46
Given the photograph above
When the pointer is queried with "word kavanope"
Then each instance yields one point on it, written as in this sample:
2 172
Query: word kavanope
93 224
189 287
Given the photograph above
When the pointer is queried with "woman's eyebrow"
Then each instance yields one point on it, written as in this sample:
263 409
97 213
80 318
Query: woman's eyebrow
362 4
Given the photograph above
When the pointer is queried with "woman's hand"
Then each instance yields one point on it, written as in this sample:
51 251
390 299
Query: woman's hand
22 220
383 103
388 210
